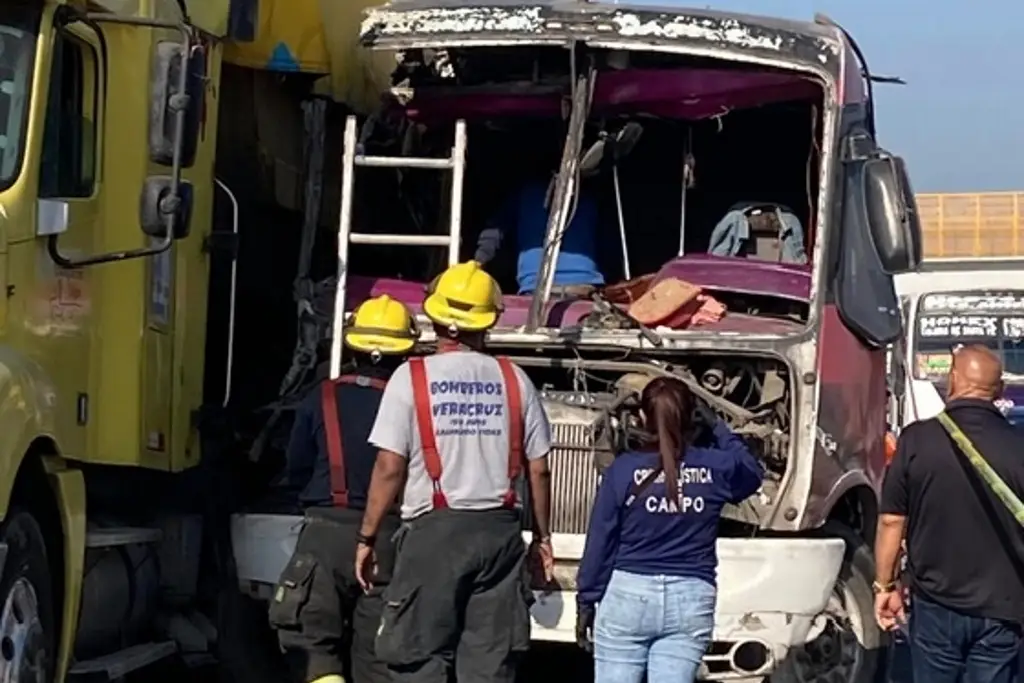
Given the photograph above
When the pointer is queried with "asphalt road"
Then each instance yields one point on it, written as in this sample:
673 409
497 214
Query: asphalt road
545 664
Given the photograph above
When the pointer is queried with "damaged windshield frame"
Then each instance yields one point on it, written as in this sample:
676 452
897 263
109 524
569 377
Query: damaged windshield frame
803 47
566 192
567 181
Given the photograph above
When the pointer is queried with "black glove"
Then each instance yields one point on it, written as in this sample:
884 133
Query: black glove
585 626
704 419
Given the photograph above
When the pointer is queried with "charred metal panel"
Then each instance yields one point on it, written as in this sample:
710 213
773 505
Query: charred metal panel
382 24
421 24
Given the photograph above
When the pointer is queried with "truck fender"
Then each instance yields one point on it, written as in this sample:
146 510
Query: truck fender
69 491
853 501
28 400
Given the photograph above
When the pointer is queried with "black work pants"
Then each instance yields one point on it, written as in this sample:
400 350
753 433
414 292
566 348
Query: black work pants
325 623
459 601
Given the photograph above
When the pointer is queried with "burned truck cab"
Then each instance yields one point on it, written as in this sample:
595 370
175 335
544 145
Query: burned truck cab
727 162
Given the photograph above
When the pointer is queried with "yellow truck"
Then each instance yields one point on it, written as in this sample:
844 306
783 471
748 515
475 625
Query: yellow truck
177 191
108 135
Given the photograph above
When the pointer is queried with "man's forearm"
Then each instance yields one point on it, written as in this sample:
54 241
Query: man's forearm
888 542
385 485
540 495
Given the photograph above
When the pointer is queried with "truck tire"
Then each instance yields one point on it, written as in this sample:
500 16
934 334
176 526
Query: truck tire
851 648
28 642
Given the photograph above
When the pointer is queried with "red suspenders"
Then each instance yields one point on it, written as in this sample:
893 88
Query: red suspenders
425 424
332 430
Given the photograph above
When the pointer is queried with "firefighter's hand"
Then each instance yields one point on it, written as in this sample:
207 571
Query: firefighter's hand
366 566
703 414
585 626
889 612
542 559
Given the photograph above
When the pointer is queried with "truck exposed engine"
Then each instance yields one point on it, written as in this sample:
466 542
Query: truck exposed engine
190 205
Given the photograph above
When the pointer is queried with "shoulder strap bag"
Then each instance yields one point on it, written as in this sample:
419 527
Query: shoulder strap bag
984 470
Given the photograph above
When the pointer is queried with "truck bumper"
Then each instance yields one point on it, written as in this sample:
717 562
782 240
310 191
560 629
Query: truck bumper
769 589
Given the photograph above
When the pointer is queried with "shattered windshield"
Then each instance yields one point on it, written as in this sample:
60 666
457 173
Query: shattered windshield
19 24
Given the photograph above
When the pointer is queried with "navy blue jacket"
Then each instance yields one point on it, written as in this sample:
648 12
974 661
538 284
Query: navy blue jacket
650 535
307 468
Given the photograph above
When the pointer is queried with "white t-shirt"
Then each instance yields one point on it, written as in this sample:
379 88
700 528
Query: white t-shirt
470 414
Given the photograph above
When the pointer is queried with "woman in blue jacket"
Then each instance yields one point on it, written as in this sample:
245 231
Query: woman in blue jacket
649 564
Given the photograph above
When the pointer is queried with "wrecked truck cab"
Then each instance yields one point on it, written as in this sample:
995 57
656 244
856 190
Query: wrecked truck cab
508 74
743 191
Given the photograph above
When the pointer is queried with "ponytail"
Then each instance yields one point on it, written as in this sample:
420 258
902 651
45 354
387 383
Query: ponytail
668 405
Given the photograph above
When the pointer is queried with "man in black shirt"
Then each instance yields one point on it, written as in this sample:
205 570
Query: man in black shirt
965 550
319 609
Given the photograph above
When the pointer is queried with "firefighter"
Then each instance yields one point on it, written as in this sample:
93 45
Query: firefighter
458 428
320 612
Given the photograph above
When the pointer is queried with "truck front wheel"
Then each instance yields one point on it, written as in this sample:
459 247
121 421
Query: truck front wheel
27 629
850 647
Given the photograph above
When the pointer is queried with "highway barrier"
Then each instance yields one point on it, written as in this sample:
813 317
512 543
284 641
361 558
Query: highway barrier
972 224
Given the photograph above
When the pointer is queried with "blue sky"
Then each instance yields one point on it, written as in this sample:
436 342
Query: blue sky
959 121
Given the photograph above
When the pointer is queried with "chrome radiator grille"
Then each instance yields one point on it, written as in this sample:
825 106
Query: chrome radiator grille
576 420
574 477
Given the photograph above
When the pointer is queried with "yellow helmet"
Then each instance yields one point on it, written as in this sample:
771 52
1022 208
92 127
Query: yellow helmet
464 297
381 325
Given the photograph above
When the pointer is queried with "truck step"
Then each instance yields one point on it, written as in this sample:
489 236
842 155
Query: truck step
198 660
117 665
111 537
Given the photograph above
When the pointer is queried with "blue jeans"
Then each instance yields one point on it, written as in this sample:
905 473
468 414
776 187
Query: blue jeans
946 645
658 625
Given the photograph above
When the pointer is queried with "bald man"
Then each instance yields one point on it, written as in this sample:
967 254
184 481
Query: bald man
965 549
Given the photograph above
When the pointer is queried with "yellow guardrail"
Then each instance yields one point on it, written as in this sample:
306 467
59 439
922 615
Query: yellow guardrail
972 224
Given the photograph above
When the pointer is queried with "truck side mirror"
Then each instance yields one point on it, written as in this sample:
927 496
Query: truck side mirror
165 101
159 203
892 216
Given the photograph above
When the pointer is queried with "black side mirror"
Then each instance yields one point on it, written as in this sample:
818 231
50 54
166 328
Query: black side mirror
159 204
590 161
620 144
625 140
892 216
166 100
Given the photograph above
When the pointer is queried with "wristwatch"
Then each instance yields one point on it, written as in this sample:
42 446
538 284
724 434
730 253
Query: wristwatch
889 587
363 539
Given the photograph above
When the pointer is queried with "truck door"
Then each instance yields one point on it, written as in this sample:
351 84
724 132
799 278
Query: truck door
69 205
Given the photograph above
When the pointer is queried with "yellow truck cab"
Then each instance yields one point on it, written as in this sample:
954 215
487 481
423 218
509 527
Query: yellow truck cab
108 198
104 136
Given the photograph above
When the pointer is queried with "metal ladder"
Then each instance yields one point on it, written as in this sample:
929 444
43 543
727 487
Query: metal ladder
351 160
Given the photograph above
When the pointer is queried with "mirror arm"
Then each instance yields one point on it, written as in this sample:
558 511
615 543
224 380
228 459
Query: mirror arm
70 263
179 103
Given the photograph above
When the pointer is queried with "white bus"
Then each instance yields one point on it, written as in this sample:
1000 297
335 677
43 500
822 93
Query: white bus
950 302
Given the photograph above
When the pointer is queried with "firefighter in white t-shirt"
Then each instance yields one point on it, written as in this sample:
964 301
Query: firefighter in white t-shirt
458 428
